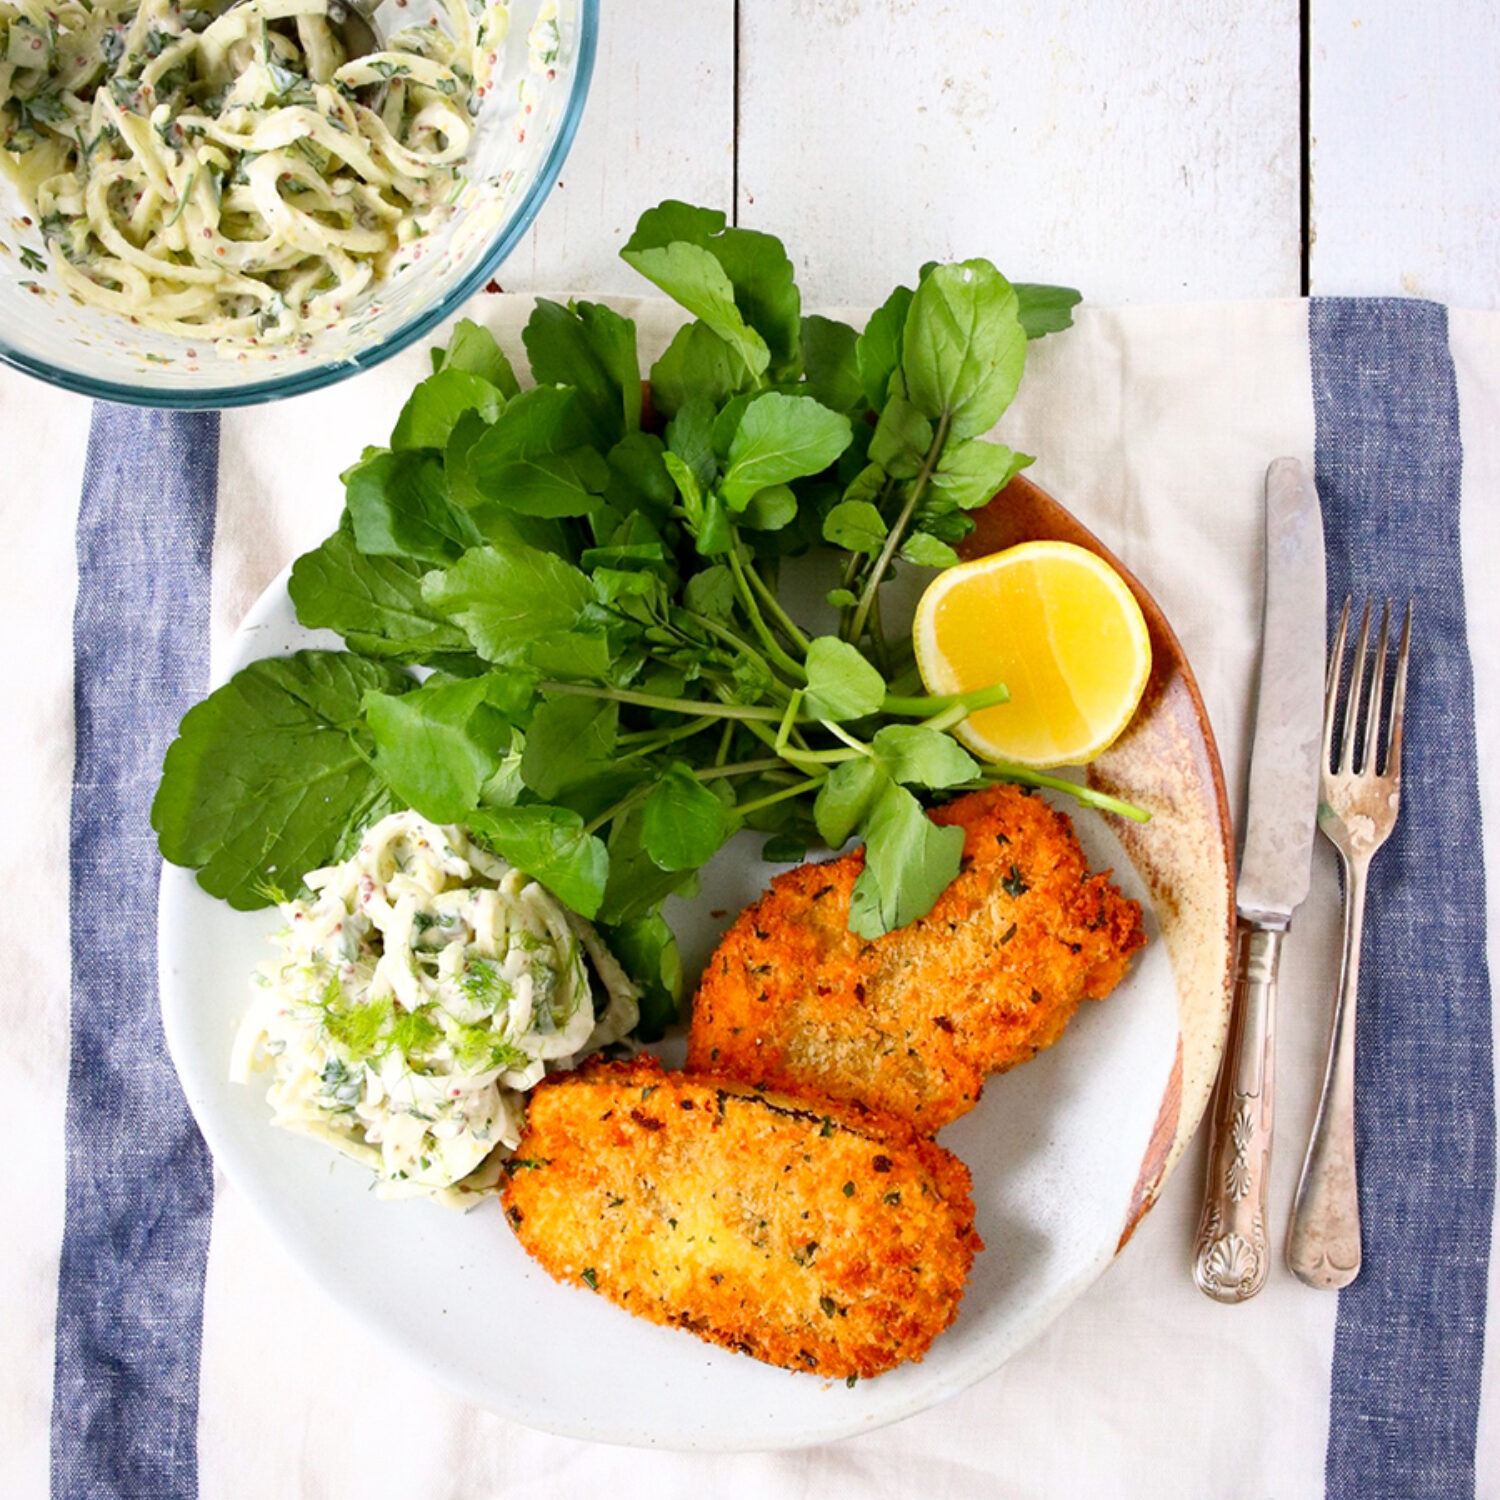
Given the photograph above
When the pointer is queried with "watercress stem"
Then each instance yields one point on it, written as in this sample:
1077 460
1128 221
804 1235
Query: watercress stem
933 705
773 606
740 768
739 643
949 717
881 651
649 741
721 755
696 707
784 729
857 745
820 757
634 795
774 797
898 530
773 647
1005 770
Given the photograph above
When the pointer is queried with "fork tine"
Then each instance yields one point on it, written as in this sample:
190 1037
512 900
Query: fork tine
1398 700
1356 694
1369 760
1331 683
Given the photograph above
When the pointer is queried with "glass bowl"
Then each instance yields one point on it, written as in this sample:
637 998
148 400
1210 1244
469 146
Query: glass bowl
523 133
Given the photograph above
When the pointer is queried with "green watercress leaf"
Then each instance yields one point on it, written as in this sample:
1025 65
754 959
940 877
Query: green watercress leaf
643 482
757 271
917 756
696 364
781 437
508 599
856 526
690 435
375 603
692 276
963 348
568 740
592 349
550 845
926 551
909 862
971 473
647 951
535 458
267 778
878 350
770 509
714 536
672 219
902 436
711 592
637 884
434 408
686 483
1045 309
398 506
473 350
683 824
437 745
846 797
765 291
571 656
831 361
841 684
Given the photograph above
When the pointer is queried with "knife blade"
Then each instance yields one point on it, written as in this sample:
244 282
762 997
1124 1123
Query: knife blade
1232 1255
1282 806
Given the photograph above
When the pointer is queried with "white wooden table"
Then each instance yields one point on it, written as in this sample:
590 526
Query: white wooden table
1165 150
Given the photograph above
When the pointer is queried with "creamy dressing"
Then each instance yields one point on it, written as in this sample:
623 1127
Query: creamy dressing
420 990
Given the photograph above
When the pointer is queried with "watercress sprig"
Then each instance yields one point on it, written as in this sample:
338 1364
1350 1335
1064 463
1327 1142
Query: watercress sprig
587 574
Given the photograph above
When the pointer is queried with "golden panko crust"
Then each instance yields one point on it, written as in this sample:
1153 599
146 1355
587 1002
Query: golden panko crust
912 1023
820 1239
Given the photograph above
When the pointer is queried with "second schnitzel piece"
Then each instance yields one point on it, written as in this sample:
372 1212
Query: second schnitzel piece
822 1239
911 1023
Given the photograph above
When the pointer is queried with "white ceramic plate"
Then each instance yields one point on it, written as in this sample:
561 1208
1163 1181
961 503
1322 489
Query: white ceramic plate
1066 1152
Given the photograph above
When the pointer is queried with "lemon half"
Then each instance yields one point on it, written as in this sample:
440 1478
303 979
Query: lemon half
1060 628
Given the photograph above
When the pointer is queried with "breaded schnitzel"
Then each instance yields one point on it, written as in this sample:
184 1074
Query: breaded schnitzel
821 1239
911 1023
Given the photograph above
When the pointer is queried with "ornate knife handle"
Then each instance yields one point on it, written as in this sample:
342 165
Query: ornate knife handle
1233 1249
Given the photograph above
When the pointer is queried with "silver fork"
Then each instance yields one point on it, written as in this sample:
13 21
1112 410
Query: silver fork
1356 812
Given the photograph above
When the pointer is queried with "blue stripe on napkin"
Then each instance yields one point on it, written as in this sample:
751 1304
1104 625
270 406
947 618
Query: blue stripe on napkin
1409 1343
139 1179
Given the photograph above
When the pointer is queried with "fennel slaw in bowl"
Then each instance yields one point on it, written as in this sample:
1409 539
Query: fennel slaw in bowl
229 172
421 987
522 85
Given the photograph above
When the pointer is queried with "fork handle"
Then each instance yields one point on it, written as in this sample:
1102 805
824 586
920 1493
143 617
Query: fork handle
1323 1243
1233 1253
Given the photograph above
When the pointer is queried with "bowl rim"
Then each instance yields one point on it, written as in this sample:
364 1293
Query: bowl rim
285 385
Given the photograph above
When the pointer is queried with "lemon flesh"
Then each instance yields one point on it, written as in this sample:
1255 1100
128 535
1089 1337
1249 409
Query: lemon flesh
1060 628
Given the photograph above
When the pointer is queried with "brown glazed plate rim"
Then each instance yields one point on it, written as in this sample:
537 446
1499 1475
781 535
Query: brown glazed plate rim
1168 761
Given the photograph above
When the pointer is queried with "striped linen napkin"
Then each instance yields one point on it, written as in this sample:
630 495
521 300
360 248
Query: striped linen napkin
159 1344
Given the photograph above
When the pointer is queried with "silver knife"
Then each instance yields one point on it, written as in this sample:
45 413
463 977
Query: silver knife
1233 1247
